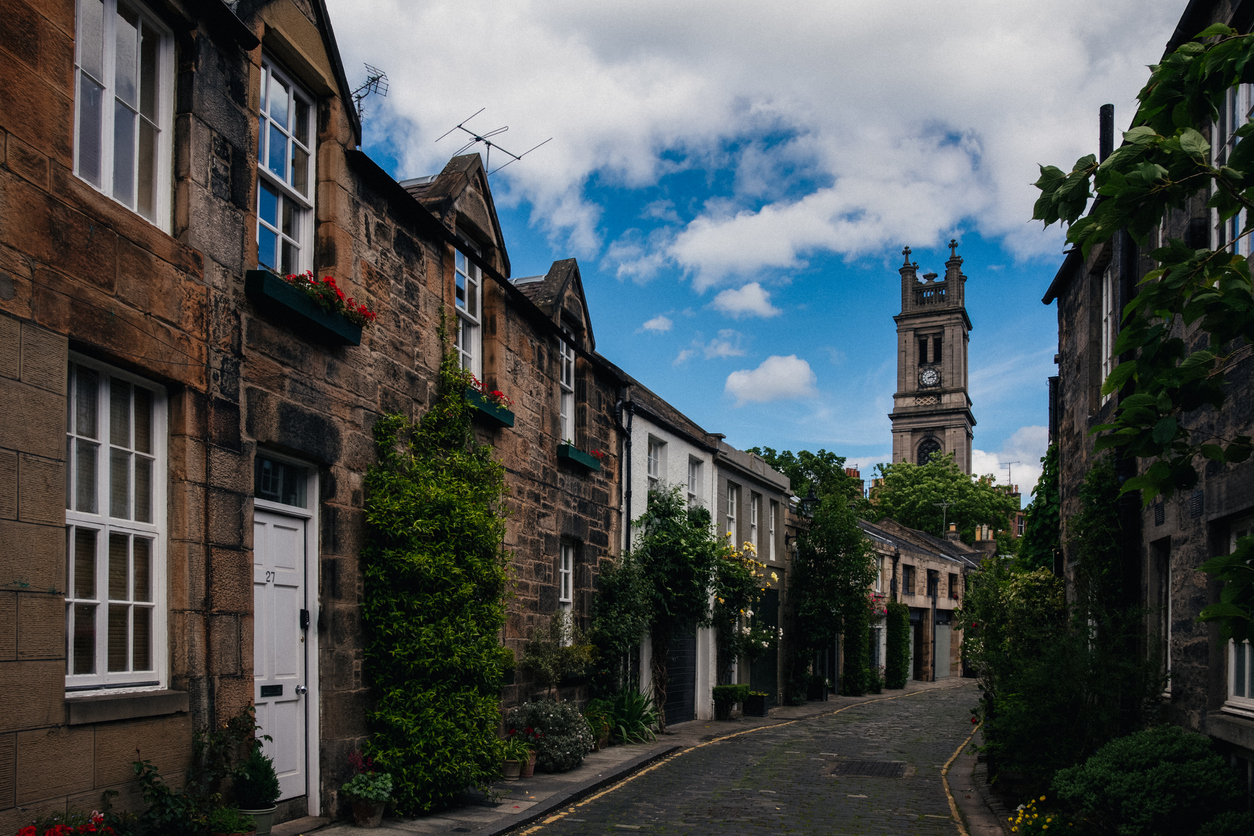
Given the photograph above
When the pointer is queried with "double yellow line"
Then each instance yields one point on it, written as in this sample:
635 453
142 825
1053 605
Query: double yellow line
953 806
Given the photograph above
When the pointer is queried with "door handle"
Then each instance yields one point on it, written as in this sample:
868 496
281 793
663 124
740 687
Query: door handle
301 690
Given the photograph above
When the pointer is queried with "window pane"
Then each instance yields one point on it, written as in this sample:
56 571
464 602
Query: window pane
268 205
267 243
300 170
142 643
119 568
85 402
278 152
120 484
123 154
290 219
84 639
118 637
90 126
143 489
288 263
143 420
146 202
278 101
1238 677
119 413
84 563
143 569
301 128
91 37
148 45
126 83
85 476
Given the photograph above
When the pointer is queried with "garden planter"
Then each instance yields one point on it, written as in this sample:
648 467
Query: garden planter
293 309
368 813
817 692
755 705
722 711
492 413
603 742
512 770
572 454
263 820
528 767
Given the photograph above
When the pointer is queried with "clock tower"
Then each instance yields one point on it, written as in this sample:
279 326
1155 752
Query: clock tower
931 409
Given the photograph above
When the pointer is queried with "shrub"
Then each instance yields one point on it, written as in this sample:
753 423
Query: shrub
856 645
255 784
897 671
565 736
730 694
633 716
1149 783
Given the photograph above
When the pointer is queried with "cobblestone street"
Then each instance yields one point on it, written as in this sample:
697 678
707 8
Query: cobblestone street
869 769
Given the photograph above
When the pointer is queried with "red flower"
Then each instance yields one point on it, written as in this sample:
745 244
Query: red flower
974 720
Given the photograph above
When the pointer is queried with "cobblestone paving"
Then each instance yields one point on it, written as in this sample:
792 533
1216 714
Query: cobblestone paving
779 779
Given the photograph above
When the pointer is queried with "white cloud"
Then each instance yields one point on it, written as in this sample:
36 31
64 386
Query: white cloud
728 343
750 300
658 324
840 137
1024 448
776 379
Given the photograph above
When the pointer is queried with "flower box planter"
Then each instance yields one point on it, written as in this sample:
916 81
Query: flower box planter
493 413
578 457
755 705
293 309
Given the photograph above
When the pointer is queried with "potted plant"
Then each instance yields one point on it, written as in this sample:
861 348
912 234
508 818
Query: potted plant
256 788
597 713
726 697
369 791
517 753
229 821
755 704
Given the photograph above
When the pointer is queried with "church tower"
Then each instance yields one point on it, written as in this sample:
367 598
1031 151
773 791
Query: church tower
931 409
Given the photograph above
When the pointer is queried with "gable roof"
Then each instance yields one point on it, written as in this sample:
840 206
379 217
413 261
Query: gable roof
461 197
549 291
922 541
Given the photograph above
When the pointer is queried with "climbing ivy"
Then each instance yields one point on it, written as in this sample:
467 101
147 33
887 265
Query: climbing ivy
433 601
897 663
1041 540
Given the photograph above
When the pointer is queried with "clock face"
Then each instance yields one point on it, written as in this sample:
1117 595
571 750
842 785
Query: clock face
929 377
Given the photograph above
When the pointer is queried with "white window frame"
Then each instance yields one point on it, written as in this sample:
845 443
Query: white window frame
468 302
772 513
655 461
566 587
1110 326
1237 109
285 185
694 482
754 501
566 387
149 107
733 500
98 516
1240 654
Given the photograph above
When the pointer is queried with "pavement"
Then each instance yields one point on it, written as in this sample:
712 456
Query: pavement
511 805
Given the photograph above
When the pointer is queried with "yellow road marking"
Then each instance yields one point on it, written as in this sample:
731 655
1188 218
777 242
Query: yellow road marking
953 805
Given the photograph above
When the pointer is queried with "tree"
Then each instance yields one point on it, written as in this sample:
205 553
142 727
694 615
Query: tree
1041 538
823 470
909 493
1192 319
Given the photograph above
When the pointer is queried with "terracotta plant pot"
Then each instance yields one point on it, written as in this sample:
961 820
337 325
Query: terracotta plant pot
368 813
512 770
528 766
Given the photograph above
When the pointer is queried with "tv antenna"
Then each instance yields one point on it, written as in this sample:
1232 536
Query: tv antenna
376 82
1007 465
486 139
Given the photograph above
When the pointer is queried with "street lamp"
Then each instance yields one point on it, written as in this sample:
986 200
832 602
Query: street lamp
809 503
944 506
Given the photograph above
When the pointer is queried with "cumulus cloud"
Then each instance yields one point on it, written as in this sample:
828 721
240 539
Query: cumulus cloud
658 324
1022 451
839 137
728 343
750 300
776 379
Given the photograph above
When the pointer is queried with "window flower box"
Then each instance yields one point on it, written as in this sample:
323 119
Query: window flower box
494 412
293 309
574 455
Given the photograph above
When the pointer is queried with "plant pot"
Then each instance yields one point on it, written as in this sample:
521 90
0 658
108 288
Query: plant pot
572 454
755 706
492 413
293 309
603 742
817 692
722 711
263 820
512 770
368 813
528 767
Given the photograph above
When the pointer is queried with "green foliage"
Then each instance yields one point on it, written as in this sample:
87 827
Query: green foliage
169 811
833 571
823 471
1162 780
564 734
229 820
516 748
633 716
1165 161
897 667
433 604
368 786
1233 612
1094 536
730 694
857 678
254 783
737 592
908 493
1042 523
556 650
622 611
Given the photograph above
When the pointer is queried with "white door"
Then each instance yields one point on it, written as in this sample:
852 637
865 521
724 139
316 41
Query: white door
279 686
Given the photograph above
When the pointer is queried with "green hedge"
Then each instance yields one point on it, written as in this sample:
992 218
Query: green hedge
897 667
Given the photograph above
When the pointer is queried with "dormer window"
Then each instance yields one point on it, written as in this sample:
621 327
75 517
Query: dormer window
469 282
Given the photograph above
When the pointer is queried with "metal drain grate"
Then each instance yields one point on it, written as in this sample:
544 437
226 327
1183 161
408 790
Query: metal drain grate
869 769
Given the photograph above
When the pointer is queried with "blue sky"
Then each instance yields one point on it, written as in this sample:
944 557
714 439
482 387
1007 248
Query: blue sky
737 181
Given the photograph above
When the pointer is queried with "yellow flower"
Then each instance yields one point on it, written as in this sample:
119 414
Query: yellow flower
1042 798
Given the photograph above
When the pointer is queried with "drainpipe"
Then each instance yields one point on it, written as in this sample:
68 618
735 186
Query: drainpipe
934 590
629 407
892 585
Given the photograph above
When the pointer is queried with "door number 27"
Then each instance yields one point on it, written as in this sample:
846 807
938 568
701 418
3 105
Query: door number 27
269 577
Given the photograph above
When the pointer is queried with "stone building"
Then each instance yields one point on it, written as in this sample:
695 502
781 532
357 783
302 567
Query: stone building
1209 687
931 407
183 451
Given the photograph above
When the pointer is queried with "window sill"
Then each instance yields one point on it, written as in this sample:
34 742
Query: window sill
104 708
291 308
499 415
578 457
